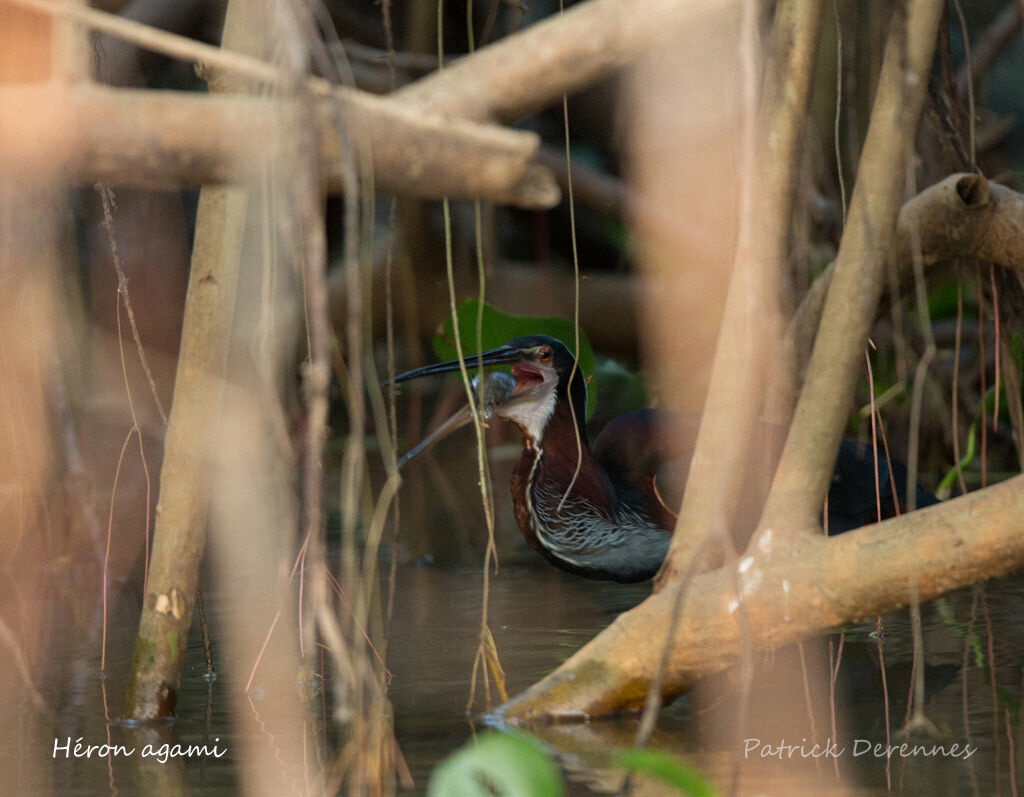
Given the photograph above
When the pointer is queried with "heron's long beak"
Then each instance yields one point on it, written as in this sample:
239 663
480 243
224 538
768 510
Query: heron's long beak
500 356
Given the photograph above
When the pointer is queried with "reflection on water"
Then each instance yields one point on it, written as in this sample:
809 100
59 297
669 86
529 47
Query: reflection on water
539 617
86 749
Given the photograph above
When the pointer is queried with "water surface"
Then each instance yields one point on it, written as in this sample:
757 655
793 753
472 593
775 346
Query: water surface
539 617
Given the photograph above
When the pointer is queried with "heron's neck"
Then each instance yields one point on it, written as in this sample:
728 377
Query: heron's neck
569 510
561 462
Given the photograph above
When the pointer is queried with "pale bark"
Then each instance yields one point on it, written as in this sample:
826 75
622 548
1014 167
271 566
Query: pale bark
505 80
164 139
413 153
743 357
160 139
179 536
559 55
805 469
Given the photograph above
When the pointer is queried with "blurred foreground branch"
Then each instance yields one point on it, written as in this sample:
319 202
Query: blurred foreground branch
162 139
560 55
801 481
743 359
422 140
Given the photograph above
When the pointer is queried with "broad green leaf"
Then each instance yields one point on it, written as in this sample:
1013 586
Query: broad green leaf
499 328
942 299
668 768
622 390
495 763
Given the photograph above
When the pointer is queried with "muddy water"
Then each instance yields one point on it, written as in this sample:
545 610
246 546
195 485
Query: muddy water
539 617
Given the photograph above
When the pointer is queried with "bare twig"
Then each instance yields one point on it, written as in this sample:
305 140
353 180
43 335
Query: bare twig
964 215
989 45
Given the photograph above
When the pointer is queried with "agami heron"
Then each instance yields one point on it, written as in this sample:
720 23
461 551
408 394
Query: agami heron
599 511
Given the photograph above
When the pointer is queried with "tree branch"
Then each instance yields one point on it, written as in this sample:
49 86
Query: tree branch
742 360
179 537
964 215
559 55
166 139
801 481
789 592
411 154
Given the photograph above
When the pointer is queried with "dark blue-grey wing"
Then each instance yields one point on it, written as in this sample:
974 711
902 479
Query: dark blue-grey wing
646 454
852 499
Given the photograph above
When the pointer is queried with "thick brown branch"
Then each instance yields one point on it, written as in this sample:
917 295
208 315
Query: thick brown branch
411 154
165 139
810 585
964 215
560 55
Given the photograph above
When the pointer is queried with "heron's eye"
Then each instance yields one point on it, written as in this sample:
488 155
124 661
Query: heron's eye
545 354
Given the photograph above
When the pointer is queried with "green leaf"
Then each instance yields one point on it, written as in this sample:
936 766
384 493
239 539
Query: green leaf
622 390
497 764
668 768
1017 347
499 328
946 485
942 299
